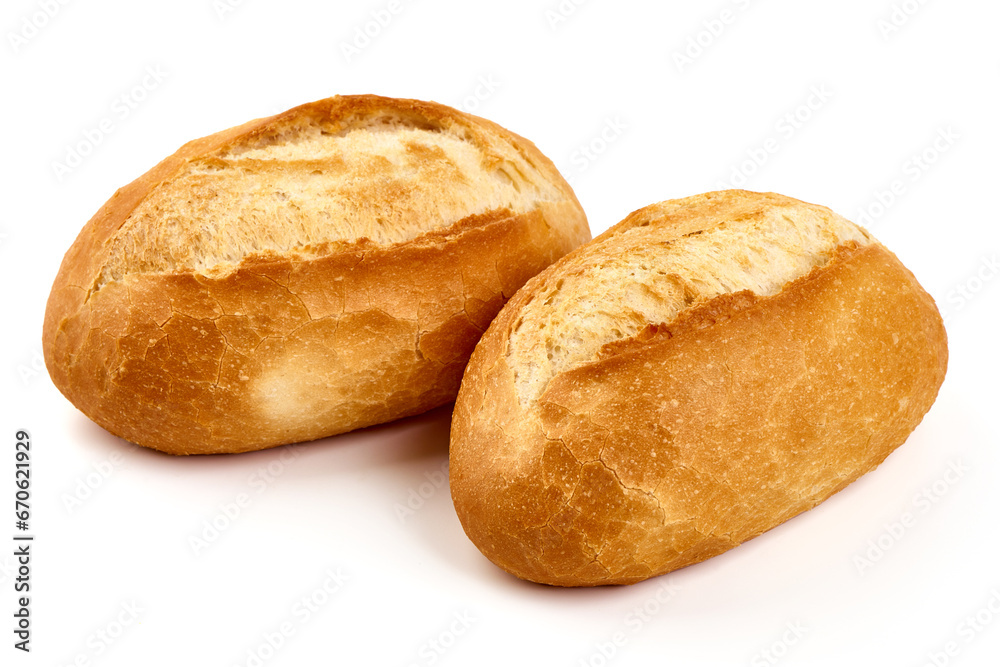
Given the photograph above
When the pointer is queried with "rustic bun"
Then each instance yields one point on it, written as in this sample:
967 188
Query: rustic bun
325 269
703 371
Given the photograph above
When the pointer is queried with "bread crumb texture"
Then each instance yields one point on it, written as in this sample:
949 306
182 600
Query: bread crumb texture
313 180
703 371
660 261
325 269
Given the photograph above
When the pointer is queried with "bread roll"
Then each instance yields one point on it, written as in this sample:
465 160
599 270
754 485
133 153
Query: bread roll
325 269
703 371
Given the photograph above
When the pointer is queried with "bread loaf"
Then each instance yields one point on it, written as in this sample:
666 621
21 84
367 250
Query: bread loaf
325 269
703 371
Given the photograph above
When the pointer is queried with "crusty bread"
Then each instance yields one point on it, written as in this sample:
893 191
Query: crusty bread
298 276
703 371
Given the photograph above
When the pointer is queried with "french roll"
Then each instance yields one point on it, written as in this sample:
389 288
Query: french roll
701 372
302 275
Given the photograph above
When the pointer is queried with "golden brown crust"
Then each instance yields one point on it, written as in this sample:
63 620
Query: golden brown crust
655 264
284 349
698 435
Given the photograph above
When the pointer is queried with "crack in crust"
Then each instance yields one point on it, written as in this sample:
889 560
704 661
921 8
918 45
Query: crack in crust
650 269
320 176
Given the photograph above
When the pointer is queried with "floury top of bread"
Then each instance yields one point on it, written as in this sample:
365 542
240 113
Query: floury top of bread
310 181
325 269
638 278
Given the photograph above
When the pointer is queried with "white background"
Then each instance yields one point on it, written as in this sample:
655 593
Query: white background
670 129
